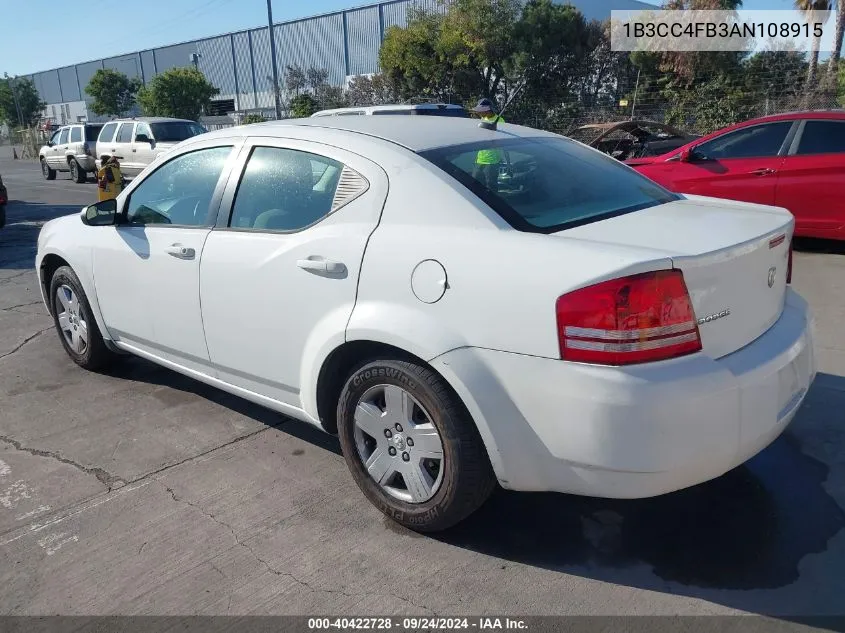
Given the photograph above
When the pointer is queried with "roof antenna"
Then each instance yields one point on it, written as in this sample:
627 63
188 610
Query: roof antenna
491 125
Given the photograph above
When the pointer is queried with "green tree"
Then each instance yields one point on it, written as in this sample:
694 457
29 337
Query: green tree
28 100
303 105
253 118
113 92
376 90
833 68
179 92
809 8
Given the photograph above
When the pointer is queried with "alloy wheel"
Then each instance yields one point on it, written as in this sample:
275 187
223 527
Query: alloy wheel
72 322
398 444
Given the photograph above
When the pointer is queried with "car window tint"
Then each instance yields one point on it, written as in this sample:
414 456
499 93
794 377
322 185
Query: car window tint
176 131
823 137
179 191
107 135
125 133
285 190
76 135
548 184
63 137
752 142
92 132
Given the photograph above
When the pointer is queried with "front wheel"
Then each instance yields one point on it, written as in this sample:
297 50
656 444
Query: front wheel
75 321
49 172
411 445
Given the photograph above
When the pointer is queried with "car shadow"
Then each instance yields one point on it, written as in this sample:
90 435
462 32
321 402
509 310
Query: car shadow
19 238
750 529
737 540
818 245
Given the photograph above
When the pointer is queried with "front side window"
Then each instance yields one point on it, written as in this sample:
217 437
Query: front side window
758 141
284 190
143 130
63 136
125 133
55 138
76 135
176 131
107 135
180 191
548 184
823 137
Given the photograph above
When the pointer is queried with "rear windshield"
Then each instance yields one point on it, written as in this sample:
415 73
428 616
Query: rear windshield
176 131
548 184
458 112
92 132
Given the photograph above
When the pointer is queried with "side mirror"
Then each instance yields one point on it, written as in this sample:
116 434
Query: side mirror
49 143
102 213
686 156
143 138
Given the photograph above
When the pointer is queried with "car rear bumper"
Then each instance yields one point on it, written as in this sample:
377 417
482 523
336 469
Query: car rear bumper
638 431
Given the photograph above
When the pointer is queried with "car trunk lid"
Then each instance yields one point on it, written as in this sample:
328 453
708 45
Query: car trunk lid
733 255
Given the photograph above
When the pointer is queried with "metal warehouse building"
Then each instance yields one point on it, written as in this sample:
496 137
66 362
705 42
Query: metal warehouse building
345 43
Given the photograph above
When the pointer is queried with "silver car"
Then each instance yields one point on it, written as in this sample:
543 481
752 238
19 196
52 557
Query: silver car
137 142
71 148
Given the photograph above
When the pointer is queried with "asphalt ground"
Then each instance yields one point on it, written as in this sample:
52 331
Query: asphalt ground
140 491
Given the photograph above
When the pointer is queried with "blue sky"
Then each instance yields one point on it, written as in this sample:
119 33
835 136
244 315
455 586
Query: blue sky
111 29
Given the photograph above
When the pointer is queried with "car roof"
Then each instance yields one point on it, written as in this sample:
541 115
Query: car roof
416 133
798 114
398 106
150 119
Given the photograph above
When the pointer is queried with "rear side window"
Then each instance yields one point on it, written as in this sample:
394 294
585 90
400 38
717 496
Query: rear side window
76 135
175 131
92 132
107 135
757 141
125 133
822 137
63 136
289 190
545 185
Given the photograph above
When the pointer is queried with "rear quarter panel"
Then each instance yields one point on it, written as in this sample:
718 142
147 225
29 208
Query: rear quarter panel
502 284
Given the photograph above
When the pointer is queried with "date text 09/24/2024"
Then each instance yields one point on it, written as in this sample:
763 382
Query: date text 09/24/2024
416 623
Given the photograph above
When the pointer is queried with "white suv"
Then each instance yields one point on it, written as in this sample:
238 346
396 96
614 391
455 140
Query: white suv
72 148
138 142
430 109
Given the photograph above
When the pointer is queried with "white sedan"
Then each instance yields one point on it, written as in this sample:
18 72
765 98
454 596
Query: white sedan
460 305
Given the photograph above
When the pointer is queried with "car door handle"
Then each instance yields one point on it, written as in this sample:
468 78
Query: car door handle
134 150
320 265
763 171
182 252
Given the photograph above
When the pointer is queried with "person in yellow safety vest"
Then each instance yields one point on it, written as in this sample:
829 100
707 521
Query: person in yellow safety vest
487 161
109 178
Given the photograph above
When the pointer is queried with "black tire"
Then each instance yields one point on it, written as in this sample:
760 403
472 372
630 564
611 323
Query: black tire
467 477
95 355
49 172
77 174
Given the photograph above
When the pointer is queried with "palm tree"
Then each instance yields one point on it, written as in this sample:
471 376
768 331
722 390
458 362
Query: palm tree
833 68
809 8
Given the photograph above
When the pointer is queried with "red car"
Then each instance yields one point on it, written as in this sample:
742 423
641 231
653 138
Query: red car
794 160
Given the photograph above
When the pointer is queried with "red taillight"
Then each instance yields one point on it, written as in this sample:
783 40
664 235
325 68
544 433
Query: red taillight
789 265
636 319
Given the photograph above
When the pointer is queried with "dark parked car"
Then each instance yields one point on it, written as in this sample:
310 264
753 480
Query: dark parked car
632 139
4 198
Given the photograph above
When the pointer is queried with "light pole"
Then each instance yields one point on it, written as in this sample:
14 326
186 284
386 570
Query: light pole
273 56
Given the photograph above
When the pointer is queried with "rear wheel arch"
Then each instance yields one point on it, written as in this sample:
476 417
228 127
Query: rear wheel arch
49 265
